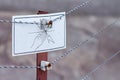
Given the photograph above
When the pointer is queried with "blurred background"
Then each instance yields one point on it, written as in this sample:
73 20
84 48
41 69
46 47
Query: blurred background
81 24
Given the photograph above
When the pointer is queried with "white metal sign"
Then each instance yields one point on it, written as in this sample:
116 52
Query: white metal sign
38 33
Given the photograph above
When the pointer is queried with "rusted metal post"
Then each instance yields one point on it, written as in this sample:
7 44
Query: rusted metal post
41 75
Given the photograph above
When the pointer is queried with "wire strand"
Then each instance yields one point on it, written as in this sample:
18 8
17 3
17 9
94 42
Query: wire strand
78 6
79 44
18 67
20 22
72 49
99 66
69 12
74 9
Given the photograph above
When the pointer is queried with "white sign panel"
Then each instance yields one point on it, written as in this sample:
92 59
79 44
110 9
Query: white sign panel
38 33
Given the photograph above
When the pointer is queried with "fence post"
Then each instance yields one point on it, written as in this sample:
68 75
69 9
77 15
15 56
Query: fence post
41 75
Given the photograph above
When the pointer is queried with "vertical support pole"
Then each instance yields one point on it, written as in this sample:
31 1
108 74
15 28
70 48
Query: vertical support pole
41 75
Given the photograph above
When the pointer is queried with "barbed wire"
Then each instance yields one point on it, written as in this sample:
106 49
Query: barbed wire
20 22
101 65
74 9
72 49
69 51
17 67
79 44
69 12
78 6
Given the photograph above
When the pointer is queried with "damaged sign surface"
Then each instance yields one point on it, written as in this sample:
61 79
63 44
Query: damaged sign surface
38 33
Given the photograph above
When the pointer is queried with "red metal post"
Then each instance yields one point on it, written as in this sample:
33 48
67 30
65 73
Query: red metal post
41 75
